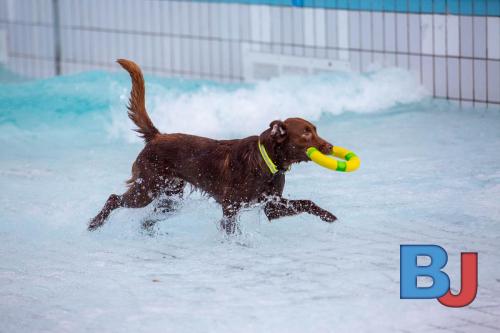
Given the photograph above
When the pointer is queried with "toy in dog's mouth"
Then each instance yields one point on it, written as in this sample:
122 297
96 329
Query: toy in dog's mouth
351 163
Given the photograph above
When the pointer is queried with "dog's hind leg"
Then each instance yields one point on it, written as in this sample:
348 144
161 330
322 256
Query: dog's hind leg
164 207
137 196
113 202
171 194
169 200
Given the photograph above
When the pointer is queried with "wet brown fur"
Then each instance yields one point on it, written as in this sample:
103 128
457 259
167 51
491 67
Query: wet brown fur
231 171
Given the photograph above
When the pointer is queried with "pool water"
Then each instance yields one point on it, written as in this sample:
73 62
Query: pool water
430 174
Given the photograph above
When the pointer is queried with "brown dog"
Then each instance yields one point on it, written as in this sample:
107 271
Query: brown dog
234 172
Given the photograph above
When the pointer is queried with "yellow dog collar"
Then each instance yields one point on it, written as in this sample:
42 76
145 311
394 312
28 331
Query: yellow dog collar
270 164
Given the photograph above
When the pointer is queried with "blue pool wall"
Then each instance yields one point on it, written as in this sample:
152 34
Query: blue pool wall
452 46
454 7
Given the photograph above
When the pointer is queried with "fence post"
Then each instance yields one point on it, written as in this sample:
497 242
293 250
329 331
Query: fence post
57 36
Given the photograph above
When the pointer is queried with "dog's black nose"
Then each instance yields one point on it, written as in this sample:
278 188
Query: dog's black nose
327 148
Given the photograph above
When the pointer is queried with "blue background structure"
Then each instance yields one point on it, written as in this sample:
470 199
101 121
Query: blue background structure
455 7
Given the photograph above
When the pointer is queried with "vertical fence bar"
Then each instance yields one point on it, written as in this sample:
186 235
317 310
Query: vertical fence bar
57 36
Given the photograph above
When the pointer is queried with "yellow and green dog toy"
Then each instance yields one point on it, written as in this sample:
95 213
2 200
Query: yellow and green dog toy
351 163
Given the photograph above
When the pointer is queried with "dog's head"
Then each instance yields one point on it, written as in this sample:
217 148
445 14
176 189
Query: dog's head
293 136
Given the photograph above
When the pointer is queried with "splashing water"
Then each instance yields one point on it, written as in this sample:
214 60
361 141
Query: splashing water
430 174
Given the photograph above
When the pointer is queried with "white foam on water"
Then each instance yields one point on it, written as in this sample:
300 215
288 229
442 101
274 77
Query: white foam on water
224 113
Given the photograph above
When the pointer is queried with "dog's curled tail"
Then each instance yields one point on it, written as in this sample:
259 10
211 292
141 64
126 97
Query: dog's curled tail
137 105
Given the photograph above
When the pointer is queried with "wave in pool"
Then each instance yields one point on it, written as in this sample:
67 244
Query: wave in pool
202 107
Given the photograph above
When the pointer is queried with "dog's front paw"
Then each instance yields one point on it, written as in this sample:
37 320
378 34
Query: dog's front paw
327 216
94 224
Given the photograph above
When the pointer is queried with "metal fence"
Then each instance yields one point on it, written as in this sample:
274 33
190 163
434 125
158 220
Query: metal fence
452 46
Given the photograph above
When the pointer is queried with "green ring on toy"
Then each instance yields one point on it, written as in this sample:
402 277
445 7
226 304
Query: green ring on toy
351 163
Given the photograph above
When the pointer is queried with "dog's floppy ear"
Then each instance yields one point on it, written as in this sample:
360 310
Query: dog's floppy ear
278 130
